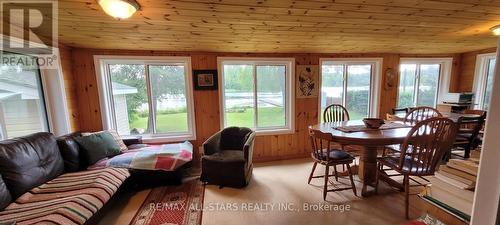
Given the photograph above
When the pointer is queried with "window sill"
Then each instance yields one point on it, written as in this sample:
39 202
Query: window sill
274 132
148 139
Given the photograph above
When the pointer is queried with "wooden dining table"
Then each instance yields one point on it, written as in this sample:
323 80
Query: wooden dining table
451 116
371 140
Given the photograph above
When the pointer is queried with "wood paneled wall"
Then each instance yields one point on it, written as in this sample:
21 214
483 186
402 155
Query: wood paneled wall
69 86
468 69
271 147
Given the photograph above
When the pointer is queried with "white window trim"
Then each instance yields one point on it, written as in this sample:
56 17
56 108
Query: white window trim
480 77
290 88
375 84
54 92
444 78
108 122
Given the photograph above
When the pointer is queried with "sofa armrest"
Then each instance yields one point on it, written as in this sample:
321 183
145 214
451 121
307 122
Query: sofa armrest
212 144
248 148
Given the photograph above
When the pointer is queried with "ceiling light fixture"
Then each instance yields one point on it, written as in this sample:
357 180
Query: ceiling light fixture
496 30
119 9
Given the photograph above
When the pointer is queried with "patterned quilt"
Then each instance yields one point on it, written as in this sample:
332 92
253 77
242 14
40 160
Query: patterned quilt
167 157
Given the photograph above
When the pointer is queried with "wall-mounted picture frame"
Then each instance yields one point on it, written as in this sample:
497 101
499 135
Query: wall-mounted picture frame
307 81
205 79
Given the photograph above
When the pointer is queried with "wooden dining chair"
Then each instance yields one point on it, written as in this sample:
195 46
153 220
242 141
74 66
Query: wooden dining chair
421 151
335 113
421 113
481 113
468 129
413 116
322 153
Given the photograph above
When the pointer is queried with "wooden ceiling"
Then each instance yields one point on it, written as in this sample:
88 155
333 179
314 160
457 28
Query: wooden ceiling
299 26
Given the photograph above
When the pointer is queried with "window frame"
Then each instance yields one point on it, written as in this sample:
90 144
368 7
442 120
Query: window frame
289 128
443 85
44 110
101 63
375 81
53 89
480 78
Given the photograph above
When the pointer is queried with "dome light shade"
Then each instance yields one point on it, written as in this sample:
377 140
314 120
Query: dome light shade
119 9
496 30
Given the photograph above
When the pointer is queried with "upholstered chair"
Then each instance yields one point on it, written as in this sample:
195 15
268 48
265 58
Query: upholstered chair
227 158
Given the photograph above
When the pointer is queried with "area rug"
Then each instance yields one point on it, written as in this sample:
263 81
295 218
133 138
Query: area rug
172 205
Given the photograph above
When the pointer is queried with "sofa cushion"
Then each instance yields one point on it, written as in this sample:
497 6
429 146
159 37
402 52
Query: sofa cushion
71 198
5 197
70 152
227 156
29 161
98 146
233 138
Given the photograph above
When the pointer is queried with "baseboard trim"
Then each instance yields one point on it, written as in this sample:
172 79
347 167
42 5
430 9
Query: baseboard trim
278 158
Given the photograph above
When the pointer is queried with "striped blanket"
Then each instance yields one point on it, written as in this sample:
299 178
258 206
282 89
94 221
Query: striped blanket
167 157
71 198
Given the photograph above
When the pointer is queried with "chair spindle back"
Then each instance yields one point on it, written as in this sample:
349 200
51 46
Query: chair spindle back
335 113
421 113
426 144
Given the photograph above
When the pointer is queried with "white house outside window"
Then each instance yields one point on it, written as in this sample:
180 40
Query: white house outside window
257 93
22 101
352 83
483 79
420 81
148 96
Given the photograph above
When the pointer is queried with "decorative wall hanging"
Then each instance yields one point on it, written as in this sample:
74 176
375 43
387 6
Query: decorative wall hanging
205 79
307 81
390 77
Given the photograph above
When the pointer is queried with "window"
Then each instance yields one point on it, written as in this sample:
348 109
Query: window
22 103
148 96
483 79
257 93
420 81
351 83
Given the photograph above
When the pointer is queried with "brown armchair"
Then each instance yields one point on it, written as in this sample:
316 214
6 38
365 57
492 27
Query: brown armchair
227 159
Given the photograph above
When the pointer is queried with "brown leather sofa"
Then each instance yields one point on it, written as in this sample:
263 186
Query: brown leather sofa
227 159
43 182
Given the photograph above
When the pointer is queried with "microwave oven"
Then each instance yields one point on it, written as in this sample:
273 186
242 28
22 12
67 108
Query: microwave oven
460 98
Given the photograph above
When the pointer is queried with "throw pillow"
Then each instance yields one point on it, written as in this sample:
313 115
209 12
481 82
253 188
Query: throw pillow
98 146
118 140
116 137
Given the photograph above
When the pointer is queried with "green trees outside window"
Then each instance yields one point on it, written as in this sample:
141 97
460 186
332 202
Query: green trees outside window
418 84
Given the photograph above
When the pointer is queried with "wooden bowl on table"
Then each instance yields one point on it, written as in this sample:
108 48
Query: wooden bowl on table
373 123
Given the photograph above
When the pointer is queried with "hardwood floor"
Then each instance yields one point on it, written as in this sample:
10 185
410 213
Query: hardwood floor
278 194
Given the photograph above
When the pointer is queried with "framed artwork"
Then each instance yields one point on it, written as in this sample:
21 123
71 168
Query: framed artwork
205 79
307 81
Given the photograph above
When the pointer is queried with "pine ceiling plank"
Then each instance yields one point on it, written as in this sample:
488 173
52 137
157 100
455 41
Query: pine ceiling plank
292 13
407 26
